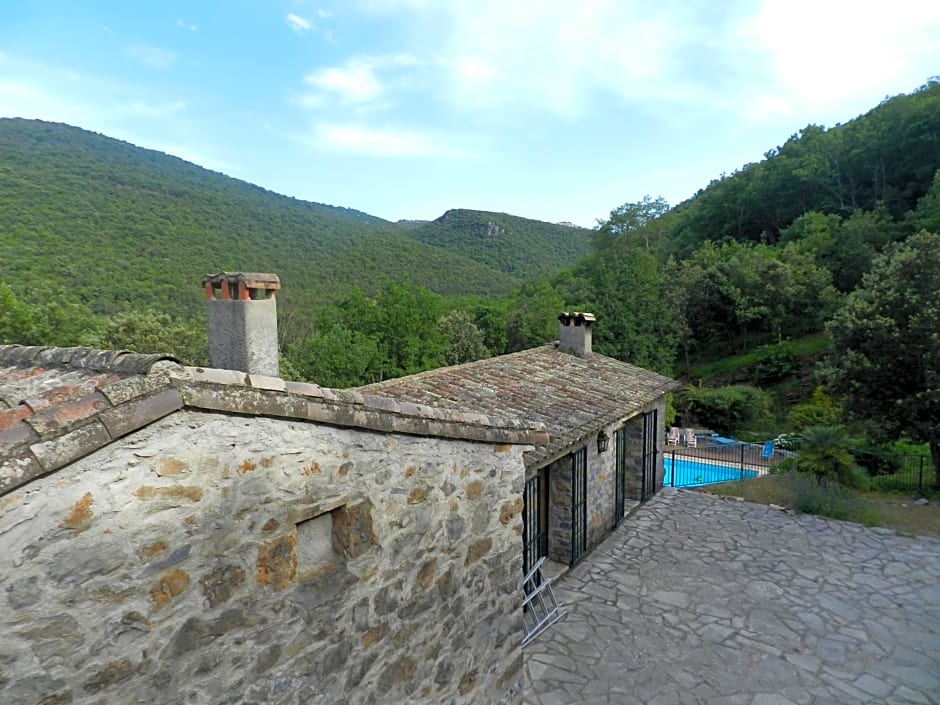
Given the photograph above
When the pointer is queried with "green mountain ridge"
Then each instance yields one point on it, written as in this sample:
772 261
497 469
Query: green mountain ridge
122 227
491 237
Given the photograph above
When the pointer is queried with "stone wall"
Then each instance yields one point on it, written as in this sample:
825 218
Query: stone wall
559 510
601 485
634 464
217 559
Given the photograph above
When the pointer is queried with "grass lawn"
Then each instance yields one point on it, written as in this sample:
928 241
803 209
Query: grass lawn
800 493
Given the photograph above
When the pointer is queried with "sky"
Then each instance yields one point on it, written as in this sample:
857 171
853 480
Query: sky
548 109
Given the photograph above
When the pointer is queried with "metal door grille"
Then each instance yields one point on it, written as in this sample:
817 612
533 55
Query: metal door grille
540 609
650 435
535 521
620 477
578 505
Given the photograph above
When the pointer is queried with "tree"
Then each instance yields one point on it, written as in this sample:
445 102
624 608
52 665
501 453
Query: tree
626 292
152 332
336 356
735 290
642 221
533 319
927 214
886 342
43 316
362 340
464 338
407 329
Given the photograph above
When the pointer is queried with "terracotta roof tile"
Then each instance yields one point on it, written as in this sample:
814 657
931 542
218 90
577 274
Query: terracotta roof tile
572 396
68 414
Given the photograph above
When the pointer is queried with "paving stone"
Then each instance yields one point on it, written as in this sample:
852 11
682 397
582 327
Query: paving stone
873 685
699 601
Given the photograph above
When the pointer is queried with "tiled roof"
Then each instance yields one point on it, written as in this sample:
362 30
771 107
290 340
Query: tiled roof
573 396
60 404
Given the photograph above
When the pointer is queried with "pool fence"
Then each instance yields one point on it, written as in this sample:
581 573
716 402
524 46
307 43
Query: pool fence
714 459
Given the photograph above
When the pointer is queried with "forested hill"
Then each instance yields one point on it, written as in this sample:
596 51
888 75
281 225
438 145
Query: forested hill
492 238
120 226
770 251
881 161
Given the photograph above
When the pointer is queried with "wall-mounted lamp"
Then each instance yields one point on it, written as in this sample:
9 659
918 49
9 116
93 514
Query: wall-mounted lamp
603 442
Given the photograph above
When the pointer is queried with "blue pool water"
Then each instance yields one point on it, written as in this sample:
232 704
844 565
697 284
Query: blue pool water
689 473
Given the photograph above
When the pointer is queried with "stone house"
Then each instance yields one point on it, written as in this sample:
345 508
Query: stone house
186 535
604 420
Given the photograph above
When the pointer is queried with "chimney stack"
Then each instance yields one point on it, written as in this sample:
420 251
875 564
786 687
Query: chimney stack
574 333
242 313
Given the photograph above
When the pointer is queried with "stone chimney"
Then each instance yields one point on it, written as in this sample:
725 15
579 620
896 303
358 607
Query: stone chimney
242 313
574 333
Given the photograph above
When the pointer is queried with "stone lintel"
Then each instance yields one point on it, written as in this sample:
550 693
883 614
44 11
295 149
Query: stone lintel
301 512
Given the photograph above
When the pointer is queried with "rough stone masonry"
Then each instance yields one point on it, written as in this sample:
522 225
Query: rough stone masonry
211 558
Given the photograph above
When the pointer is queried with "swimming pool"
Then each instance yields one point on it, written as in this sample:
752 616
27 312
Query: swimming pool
689 473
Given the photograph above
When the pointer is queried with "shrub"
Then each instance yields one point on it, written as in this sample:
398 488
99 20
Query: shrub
825 453
812 497
728 410
876 461
819 410
784 467
773 363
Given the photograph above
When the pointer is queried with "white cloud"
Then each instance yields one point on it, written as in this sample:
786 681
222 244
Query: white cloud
550 54
368 141
299 24
357 81
154 57
186 25
818 56
672 56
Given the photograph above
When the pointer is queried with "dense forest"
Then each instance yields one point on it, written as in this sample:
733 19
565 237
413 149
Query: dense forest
817 264
125 228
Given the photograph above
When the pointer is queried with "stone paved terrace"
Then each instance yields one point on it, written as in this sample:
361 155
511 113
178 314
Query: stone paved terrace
700 600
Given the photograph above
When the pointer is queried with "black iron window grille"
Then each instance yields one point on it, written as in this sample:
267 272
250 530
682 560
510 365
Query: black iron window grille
620 476
651 433
535 521
578 505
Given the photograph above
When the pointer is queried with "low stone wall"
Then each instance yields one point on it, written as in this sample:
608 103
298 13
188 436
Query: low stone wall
218 559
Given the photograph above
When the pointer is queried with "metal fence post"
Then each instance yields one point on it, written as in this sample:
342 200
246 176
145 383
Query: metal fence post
672 470
742 461
920 476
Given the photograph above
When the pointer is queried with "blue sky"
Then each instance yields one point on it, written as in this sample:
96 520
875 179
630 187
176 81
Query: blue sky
553 110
